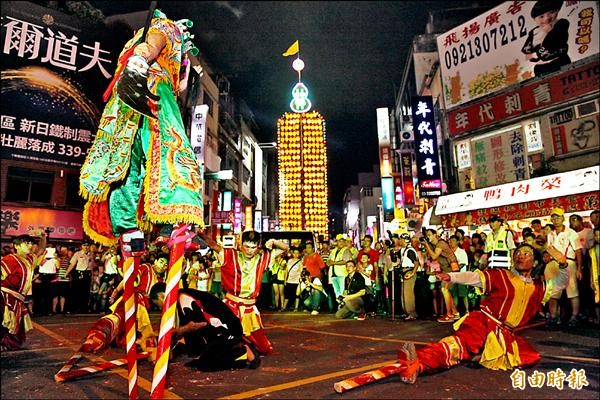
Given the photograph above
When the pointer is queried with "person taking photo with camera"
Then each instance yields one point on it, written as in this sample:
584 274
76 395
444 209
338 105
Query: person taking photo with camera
438 249
353 299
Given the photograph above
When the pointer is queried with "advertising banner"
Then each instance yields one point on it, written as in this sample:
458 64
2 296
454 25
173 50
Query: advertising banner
571 134
64 225
514 42
534 209
532 96
499 158
579 181
428 169
54 71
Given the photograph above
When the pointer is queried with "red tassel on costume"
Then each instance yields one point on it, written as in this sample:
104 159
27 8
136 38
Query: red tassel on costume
99 219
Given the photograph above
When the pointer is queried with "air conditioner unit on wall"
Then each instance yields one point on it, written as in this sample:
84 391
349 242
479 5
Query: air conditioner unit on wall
407 136
585 109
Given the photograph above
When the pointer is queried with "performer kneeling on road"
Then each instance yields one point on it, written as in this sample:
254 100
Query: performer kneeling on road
512 300
241 276
209 330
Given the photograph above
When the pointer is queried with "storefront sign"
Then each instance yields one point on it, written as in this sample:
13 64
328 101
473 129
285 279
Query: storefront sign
571 134
383 126
531 97
532 209
222 217
533 136
237 215
54 71
198 131
428 169
398 197
65 225
463 154
564 184
248 218
499 158
407 179
505 46
387 198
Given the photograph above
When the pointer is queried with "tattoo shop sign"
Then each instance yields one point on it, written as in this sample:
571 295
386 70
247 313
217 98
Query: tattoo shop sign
532 96
54 72
428 168
571 134
505 46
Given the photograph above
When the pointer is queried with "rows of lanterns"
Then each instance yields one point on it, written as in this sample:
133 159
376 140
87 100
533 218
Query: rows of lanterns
302 168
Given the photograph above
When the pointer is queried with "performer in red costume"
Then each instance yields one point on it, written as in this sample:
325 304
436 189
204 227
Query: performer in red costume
110 327
241 275
512 300
17 273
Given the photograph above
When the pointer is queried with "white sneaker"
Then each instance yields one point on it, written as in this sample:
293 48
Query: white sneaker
314 312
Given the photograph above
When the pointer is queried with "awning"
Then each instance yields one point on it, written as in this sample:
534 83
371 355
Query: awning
574 191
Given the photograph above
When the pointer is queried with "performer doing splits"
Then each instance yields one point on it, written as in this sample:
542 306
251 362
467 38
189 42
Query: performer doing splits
512 300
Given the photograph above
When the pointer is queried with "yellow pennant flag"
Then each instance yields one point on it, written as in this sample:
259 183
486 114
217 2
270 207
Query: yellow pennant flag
294 49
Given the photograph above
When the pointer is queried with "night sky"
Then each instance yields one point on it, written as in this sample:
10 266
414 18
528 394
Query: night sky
354 53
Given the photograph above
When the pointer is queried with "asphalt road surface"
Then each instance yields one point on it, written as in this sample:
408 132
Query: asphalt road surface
311 354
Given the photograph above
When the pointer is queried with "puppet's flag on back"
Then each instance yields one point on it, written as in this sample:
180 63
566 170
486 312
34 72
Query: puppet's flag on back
294 49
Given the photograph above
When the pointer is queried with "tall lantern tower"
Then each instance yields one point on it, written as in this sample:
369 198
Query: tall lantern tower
302 162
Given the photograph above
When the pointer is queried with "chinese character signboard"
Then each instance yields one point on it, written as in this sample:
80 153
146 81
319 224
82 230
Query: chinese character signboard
532 96
54 71
407 179
506 45
237 215
499 158
533 136
198 131
21 220
428 168
550 187
463 154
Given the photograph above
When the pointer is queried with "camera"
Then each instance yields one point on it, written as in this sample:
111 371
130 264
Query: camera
422 239
340 300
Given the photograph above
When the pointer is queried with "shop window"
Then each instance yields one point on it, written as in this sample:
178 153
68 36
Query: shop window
28 185
72 197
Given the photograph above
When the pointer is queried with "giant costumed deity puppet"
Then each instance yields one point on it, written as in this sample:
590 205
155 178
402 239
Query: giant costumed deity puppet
141 171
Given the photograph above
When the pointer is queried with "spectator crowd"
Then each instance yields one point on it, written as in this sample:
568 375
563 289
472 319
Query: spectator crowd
393 277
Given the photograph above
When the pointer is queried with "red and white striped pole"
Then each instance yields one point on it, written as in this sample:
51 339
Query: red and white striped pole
132 246
92 369
179 236
70 363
